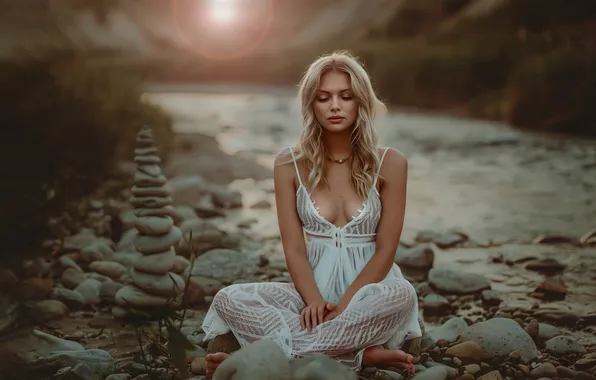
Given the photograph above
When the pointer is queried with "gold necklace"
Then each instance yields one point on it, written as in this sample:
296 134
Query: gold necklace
339 161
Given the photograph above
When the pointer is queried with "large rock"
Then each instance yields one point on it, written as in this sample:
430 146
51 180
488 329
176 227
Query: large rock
457 282
320 367
499 337
224 265
261 360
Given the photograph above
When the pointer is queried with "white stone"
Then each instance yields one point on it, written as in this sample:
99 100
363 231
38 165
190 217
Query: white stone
157 263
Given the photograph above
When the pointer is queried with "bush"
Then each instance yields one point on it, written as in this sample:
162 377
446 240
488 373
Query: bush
438 76
555 92
64 126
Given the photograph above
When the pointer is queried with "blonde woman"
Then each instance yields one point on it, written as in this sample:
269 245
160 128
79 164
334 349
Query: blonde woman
347 196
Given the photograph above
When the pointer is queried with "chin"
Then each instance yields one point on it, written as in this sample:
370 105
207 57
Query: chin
336 128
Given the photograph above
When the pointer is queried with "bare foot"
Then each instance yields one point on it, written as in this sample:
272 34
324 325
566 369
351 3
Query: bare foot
212 361
380 357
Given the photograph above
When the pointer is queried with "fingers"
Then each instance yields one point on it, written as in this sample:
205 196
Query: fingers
330 306
320 313
313 319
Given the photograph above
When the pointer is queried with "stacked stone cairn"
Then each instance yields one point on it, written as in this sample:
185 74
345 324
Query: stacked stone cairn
154 287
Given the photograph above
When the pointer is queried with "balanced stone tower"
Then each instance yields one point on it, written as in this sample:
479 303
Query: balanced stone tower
154 287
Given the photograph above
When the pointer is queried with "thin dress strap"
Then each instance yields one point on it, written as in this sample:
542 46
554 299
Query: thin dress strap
296 165
379 169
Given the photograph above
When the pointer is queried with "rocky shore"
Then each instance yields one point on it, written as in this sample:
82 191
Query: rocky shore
507 309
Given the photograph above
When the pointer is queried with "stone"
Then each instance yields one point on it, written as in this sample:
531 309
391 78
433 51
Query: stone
151 170
546 331
47 310
142 179
73 300
145 151
164 211
450 330
490 297
320 367
157 263
467 351
150 202
549 266
111 269
157 244
154 191
226 198
419 257
99 361
492 375
119 376
167 285
108 290
129 295
563 345
149 159
434 304
553 288
499 337
224 265
457 282
154 225
89 289
433 373
261 360
544 370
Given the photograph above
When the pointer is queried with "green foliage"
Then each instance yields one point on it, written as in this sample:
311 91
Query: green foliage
555 92
64 126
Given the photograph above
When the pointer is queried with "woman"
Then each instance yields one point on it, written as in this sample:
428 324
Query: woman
340 204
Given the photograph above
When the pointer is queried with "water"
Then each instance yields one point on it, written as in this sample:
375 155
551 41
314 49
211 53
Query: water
486 179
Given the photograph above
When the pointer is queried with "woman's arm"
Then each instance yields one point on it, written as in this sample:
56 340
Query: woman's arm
393 198
290 228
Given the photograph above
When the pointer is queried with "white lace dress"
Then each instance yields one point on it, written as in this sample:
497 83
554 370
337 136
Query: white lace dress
384 313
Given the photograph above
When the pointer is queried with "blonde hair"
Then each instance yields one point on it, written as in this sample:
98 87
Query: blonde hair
364 140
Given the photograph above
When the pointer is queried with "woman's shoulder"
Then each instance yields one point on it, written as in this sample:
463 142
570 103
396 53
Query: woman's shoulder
391 156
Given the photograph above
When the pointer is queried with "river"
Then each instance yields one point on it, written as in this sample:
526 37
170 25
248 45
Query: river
487 179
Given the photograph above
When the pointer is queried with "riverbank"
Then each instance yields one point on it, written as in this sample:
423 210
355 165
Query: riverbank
499 189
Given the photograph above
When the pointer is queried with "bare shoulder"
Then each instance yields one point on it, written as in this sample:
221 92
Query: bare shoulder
394 165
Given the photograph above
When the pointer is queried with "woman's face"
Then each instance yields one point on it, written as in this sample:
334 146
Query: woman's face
334 106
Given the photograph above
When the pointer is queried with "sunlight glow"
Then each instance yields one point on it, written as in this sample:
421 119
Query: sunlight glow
223 11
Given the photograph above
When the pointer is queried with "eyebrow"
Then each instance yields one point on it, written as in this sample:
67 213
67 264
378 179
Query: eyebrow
327 92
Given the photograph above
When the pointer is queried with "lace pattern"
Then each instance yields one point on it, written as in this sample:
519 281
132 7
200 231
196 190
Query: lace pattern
384 313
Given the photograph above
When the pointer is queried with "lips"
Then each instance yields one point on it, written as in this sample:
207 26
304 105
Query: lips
335 118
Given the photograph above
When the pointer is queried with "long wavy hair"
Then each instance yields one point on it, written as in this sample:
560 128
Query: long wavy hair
364 140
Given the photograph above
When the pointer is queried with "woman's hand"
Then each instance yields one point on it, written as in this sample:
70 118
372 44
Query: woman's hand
314 314
337 310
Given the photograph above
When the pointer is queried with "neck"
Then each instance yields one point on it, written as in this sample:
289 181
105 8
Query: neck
337 144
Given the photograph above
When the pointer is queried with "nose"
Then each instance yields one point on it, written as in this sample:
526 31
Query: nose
335 104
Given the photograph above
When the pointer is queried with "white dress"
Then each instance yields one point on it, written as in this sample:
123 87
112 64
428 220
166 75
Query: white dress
384 313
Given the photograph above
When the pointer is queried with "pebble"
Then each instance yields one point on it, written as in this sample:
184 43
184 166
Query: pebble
544 370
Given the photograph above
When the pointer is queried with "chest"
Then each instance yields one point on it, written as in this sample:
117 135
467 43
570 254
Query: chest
338 202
